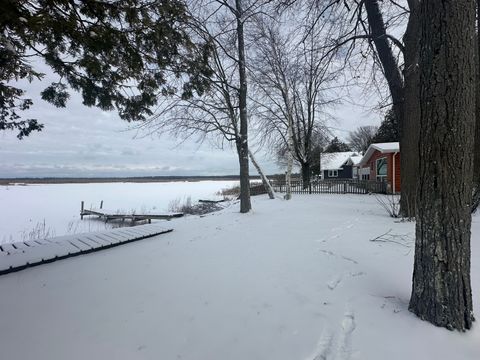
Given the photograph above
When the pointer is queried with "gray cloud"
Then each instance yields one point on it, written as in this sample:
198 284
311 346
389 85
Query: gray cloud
82 141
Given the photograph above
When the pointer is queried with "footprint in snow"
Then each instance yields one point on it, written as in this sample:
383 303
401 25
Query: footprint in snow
337 279
338 346
324 346
333 283
344 351
331 253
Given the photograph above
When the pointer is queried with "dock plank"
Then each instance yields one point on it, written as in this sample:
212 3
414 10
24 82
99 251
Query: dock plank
120 235
22 255
10 249
88 244
20 245
114 239
79 245
115 214
132 232
100 239
88 241
31 243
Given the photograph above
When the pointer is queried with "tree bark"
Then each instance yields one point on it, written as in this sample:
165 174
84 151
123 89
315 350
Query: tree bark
410 125
476 149
265 182
386 56
288 175
477 107
441 292
306 174
288 180
242 144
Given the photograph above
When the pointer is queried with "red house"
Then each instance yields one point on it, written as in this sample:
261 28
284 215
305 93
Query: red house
381 162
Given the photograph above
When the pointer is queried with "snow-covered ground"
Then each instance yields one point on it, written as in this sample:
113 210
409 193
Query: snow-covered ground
53 210
298 280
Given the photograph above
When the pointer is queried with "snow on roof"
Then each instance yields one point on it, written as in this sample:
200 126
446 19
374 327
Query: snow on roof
387 147
384 148
356 159
335 161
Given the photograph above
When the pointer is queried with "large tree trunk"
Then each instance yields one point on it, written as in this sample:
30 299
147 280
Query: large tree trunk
245 205
242 146
265 182
410 125
306 175
476 166
476 149
441 292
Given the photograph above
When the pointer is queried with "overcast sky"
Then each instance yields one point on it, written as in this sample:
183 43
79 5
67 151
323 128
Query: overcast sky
82 141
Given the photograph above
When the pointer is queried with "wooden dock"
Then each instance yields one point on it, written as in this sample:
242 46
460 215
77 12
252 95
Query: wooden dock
21 255
107 215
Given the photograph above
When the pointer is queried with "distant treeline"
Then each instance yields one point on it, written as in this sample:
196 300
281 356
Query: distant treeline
146 179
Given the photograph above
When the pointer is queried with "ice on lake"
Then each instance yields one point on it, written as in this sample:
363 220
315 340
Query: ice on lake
34 210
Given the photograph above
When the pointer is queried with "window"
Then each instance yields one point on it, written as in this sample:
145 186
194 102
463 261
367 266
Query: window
332 173
381 166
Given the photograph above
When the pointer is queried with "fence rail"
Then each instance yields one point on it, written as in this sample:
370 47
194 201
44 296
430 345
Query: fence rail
337 186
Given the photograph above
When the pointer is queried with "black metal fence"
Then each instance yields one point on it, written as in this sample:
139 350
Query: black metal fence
336 186
257 189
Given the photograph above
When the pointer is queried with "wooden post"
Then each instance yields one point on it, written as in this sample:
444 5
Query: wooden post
81 210
101 204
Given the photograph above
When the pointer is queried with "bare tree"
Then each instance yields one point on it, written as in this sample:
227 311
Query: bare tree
441 291
369 34
222 110
361 138
293 80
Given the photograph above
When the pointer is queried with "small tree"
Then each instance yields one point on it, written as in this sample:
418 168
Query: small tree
293 76
336 145
388 130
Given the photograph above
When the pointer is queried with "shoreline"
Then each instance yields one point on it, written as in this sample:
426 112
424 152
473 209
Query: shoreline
139 179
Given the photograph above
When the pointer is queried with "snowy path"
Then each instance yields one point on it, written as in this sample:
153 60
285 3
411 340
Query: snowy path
296 280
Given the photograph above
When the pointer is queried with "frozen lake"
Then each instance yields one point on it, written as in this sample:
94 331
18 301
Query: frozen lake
53 209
